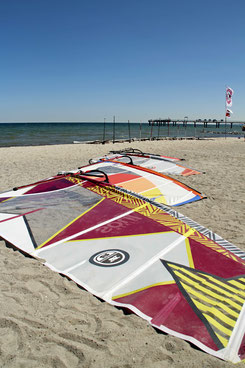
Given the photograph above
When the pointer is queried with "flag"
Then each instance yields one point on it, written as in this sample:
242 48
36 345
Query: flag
228 113
228 96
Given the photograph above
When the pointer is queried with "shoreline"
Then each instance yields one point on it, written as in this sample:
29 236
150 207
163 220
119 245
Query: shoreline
98 142
71 327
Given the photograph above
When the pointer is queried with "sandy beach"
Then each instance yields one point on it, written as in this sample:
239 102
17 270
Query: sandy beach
48 321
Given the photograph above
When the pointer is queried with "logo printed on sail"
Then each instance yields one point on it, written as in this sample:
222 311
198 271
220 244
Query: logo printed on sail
109 258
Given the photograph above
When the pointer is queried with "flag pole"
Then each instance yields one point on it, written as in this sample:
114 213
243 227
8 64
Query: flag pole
225 110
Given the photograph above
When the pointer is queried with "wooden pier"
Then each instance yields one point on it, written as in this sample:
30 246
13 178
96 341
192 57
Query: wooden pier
185 122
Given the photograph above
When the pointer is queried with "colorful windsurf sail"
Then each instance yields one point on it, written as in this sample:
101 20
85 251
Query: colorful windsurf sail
138 152
155 186
133 254
160 164
150 184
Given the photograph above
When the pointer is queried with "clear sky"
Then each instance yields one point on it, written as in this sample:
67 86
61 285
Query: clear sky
86 60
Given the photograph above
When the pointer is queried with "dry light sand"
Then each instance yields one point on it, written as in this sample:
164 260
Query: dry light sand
48 321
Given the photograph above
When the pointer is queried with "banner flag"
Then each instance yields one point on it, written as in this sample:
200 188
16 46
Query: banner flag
228 96
228 113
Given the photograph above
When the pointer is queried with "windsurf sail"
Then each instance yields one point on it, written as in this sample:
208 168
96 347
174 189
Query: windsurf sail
157 163
154 186
150 184
184 283
136 151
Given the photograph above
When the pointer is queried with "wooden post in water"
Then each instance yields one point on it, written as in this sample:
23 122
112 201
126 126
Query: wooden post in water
104 133
151 131
185 122
129 137
114 129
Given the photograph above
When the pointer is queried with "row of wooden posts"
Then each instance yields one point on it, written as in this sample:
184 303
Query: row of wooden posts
129 131
160 123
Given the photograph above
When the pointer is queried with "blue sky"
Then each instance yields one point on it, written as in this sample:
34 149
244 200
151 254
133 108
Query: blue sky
86 60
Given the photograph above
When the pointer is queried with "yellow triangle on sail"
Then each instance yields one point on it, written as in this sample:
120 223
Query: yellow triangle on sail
217 301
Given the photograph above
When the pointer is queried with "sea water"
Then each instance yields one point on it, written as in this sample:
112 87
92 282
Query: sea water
28 134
